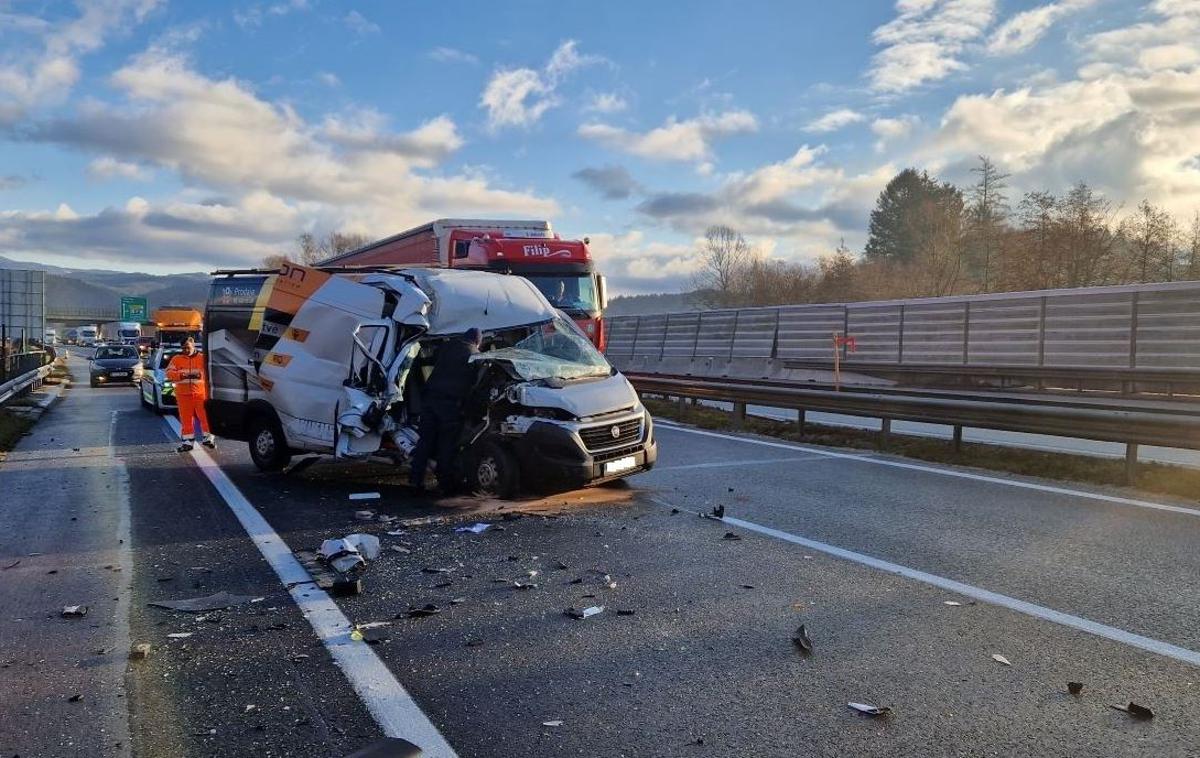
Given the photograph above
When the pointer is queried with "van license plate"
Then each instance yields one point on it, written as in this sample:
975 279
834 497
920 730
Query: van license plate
619 465
116 374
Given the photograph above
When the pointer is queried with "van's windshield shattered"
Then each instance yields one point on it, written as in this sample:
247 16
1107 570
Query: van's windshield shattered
554 350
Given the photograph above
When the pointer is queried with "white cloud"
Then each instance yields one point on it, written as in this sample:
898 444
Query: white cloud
689 140
635 264
452 55
30 77
329 79
1023 30
252 16
925 40
108 167
834 120
890 130
606 102
274 173
518 97
360 24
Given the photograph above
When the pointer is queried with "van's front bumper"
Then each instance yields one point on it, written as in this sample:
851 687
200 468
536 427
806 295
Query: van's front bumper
552 454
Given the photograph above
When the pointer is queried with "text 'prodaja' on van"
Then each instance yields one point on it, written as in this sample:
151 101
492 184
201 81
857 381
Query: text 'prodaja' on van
335 361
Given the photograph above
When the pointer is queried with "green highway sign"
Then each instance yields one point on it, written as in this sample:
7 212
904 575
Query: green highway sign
134 309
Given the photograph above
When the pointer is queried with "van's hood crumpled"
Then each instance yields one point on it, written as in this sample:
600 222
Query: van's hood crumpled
582 398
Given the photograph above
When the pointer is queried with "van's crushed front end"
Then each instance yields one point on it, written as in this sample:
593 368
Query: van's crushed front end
569 418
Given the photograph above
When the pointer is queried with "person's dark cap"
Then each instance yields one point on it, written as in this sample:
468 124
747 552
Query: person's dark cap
473 335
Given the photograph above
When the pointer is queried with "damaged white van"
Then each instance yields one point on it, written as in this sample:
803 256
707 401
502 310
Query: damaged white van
334 361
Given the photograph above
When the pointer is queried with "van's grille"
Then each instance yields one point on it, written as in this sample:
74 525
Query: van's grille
612 455
602 437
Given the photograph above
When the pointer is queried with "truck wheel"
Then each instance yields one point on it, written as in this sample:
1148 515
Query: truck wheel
268 448
493 470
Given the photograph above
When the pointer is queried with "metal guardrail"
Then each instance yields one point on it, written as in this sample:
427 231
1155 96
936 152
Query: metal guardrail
15 386
1164 424
1126 333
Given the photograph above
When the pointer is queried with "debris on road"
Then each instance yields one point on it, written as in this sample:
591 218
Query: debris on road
364 496
1075 687
871 710
556 722
519 585
74 611
218 601
75 698
718 512
474 642
625 611
435 570
1140 712
956 603
747 586
179 635
399 549
478 528
12 565
388 747
577 613
346 587
396 533
364 515
731 536
802 641
140 651
1001 659
422 521
428 609
351 553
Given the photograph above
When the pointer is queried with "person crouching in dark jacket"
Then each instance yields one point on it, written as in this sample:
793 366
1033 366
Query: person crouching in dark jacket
442 410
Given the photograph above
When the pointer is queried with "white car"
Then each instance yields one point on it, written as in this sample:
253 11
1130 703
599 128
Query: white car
157 391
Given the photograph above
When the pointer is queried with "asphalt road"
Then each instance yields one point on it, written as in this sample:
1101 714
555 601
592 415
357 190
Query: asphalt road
692 654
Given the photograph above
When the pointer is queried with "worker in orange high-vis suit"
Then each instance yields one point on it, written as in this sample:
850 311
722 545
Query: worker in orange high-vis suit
186 370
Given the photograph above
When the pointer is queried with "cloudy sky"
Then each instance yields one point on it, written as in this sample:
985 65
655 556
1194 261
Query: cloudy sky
161 136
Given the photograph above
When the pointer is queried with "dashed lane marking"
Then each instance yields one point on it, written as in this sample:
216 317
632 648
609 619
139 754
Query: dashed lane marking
986 596
397 714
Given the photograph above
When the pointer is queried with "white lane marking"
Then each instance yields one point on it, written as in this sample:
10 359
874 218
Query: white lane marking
978 593
756 462
397 714
940 471
125 561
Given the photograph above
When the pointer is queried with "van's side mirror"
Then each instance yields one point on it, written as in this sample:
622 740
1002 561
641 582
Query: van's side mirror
602 291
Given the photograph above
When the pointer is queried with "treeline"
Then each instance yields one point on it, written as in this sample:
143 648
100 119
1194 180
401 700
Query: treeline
929 238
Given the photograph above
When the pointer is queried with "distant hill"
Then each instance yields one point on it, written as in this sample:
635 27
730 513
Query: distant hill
637 305
94 288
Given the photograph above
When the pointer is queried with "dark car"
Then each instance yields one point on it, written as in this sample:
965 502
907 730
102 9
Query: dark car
115 364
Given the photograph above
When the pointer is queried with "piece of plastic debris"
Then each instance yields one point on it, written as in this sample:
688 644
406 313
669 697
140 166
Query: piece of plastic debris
398 549
249 708
396 533
442 585
625 611
951 602
731 536
435 570
364 515
75 698
458 601
12 565
427 610
140 651
474 642
344 587
422 521
478 528
582 613
364 496
524 586
179 635
556 722
1075 687
356 634
802 641
747 586
674 511
870 710
215 602
1001 659
74 611
351 553
561 566
388 747
1135 710
718 511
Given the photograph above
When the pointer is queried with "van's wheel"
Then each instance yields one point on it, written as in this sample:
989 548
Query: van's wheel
268 447
493 470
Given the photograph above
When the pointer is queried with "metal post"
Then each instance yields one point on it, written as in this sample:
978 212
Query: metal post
957 438
682 403
900 338
739 415
1131 462
885 433
1041 382
801 421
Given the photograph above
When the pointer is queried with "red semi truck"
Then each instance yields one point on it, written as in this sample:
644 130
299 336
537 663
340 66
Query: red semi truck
561 269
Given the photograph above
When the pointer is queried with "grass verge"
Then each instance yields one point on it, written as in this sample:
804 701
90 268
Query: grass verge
1177 481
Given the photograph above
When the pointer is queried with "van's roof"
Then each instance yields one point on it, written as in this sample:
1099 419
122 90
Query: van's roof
464 299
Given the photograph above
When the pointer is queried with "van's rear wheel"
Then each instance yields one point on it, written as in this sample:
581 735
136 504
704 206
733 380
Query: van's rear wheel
268 447
493 470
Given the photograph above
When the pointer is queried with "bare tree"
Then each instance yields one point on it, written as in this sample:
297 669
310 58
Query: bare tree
312 250
723 260
1149 238
273 261
1088 243
988 219
1193 249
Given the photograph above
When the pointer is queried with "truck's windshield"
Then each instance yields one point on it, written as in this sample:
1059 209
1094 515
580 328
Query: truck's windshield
554 350
568 292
